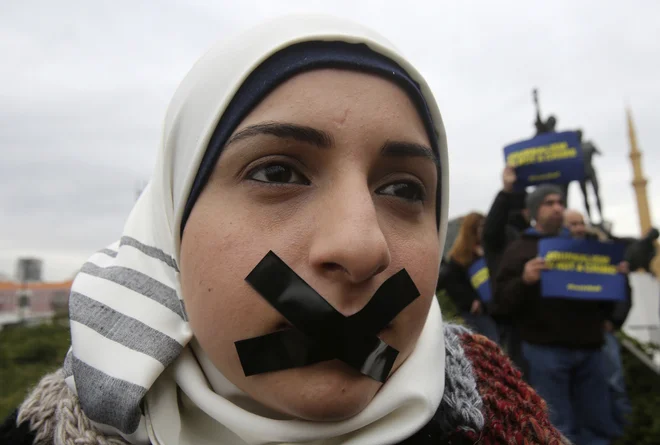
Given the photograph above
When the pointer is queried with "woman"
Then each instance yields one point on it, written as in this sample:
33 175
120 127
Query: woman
309 145
455 279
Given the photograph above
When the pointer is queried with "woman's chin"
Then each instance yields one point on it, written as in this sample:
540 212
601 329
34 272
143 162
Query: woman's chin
328 391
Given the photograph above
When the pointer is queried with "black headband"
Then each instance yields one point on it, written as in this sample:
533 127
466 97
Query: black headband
282 66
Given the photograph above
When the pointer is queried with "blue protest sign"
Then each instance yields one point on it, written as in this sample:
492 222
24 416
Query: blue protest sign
582 269
547 158
480 279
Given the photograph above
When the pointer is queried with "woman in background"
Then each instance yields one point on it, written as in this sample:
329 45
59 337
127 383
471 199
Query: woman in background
454 277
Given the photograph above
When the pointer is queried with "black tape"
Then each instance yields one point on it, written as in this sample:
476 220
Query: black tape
321 333
279 350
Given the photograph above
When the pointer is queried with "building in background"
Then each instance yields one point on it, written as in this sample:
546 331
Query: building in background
29 270
29 299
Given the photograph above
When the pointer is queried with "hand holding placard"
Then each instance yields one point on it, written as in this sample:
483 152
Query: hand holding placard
508 179
533 269
623 268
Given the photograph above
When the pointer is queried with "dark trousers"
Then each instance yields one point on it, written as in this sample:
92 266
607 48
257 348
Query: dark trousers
574 384
621 407
482 324
512 344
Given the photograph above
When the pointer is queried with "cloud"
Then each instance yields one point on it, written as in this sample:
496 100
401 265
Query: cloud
87 85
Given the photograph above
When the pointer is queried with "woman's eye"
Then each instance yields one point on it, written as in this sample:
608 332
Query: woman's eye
409 191
277 173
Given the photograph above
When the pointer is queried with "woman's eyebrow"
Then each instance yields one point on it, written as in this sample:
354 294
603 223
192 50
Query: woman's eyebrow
409 149
299 133
322 139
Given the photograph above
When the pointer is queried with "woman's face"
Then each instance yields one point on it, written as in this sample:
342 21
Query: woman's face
480 230
333 172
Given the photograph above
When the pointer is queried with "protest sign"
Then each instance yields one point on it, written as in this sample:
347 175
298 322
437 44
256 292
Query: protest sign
480 279
547 158
582 269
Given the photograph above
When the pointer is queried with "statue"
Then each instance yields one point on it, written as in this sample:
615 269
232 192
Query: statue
542 127
589 150
640 253
547 127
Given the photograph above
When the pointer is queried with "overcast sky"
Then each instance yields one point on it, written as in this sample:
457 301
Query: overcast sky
84 86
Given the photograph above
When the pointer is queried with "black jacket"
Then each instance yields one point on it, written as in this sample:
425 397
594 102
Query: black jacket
455 281
621 309
13 434
499 231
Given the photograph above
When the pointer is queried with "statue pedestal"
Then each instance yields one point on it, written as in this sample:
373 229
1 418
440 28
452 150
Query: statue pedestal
643 322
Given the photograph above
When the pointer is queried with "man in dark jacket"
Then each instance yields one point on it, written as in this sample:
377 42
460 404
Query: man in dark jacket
574 222
562 338
505 220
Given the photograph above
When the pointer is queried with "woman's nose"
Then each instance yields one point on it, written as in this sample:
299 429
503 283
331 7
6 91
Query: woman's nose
349 241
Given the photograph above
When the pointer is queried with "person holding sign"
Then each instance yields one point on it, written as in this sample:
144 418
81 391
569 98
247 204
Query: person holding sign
466 279
562 337
621 408
506 220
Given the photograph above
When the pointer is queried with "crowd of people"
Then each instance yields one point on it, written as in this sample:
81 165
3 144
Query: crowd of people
565 347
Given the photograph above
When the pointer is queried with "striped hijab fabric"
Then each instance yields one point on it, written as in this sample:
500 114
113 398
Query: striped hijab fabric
137 321
128 320
127 325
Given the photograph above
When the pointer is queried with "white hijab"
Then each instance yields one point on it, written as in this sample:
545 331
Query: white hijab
132 362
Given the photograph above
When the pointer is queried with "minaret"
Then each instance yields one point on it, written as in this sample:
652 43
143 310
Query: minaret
639 182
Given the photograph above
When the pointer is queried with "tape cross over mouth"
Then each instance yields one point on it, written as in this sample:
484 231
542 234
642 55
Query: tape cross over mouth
321 333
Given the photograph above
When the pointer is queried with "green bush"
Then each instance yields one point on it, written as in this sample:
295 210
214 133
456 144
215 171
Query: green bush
26 355
449 312
643 387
